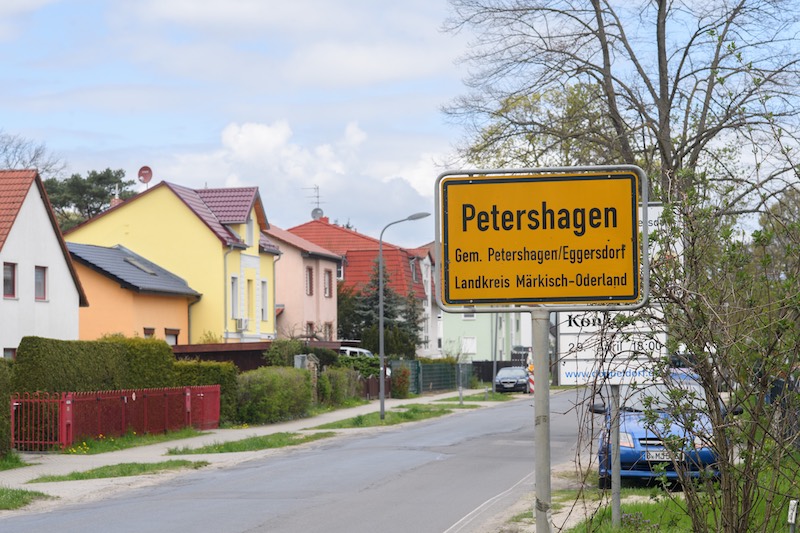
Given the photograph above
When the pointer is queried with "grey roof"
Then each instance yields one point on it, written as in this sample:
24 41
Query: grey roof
130 270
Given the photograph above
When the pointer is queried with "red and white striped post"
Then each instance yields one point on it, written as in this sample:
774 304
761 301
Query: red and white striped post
530 379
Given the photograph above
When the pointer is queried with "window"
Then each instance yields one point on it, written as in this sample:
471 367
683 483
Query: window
149 333
234 297
469 345
264 301
412 263
171 336
328 281
248 239
10 353
41 283
310 330
251 299
9 280
328 331
309 281
340 271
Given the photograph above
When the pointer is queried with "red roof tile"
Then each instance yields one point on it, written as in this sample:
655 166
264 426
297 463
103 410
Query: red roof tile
216 208
300 243
14 188
361 254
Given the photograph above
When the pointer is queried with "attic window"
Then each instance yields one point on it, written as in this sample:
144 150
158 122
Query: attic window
141 266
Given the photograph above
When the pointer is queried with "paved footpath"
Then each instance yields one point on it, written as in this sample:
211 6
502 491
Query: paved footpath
64 492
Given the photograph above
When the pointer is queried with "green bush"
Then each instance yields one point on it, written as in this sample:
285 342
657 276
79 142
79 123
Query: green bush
343 385
188 373
274 394
326 356
366 366
282 351
401 381
5 414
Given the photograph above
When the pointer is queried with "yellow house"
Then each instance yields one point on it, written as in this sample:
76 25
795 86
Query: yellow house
212 238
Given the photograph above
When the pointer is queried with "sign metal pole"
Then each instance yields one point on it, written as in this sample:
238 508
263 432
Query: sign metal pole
540 324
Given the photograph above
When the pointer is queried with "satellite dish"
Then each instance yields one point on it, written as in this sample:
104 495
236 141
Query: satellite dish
145 174
316 213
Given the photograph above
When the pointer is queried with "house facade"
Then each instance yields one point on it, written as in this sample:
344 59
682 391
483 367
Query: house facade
360 254
305 288
131 295
42 293
212 238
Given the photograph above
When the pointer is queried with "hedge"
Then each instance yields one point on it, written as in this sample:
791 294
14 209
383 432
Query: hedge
5 414
54 365
191 372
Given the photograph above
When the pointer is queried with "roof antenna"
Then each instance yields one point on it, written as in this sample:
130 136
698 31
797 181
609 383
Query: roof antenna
316 213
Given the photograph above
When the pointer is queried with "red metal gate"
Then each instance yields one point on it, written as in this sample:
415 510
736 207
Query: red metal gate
41 421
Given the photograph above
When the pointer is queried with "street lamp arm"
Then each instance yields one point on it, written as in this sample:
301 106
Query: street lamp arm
382 369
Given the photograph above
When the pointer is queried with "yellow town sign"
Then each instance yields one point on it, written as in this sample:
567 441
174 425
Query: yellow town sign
539 239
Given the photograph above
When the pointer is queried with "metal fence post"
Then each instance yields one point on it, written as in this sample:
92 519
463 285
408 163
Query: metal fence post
65 416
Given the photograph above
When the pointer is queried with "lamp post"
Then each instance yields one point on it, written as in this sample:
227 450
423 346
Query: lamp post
382 371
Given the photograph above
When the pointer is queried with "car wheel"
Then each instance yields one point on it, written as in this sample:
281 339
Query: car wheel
604 482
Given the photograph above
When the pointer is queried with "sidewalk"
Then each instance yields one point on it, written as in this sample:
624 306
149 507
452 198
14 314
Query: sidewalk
54 463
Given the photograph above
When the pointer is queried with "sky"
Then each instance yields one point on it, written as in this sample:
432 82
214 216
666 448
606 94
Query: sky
333 104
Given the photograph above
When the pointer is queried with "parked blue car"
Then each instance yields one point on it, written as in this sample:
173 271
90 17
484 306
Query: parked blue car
679 415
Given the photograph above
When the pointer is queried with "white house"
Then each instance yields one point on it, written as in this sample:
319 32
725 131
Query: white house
41 291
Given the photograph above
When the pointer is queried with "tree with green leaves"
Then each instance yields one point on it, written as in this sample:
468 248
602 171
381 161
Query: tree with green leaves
77 199
348 325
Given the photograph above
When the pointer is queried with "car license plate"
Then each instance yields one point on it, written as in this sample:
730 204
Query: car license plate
508 385
661 456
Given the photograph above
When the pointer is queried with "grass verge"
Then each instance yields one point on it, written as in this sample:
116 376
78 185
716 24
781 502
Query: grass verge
275 440
11 460
399 415
104 444
124 470
489 396
11 499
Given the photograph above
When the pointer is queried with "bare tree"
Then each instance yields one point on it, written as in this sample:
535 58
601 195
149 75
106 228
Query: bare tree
675 80
17 152
703 96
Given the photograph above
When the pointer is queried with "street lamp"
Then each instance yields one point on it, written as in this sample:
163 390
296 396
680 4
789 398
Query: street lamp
382 371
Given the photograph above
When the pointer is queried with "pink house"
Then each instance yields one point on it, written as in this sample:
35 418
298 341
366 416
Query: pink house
305 287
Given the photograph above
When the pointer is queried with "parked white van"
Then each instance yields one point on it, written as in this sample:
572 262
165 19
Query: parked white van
355 352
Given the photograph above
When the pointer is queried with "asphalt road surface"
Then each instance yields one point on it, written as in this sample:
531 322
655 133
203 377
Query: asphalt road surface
443 475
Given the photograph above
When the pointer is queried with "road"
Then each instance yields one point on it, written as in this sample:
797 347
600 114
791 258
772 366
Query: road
443 475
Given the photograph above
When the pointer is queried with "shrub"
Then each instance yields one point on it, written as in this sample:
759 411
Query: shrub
282 351
366 366
273 394
223 373
326 356
401 381
344 385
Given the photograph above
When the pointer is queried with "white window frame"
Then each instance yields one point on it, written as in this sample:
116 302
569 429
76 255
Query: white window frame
328 283
235 297
264 301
